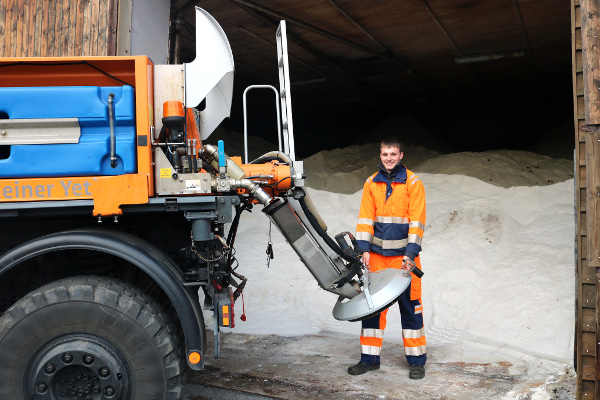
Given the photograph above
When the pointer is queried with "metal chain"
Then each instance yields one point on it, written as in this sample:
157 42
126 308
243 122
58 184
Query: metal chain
226 252
193 249
269 247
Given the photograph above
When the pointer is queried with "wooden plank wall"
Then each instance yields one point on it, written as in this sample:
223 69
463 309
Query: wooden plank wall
58 28
584 14
585 325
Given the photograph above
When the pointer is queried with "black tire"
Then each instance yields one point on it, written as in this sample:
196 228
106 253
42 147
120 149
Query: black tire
88 338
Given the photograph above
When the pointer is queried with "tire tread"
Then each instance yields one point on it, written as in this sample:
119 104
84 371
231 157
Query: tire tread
109 292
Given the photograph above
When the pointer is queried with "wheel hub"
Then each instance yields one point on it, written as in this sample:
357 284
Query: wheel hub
78 367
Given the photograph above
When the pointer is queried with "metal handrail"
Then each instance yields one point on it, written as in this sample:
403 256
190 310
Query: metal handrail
245 117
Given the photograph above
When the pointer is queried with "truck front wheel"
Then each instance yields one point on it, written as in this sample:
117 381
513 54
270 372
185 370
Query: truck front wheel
88 338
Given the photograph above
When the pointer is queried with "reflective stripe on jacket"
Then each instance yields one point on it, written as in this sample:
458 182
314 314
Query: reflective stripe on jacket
391 220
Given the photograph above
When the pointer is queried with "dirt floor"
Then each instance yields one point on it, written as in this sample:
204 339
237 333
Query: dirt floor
311 367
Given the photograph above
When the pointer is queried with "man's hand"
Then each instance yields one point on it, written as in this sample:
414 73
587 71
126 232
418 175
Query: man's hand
407 263
366 258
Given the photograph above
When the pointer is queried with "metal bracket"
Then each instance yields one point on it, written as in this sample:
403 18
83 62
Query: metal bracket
365 280
171 205
225 208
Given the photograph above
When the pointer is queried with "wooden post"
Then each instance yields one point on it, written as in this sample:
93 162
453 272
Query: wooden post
590 36
111 41
592 157
592 175
597 341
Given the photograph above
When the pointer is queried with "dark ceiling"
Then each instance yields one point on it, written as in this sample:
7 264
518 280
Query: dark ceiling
482 74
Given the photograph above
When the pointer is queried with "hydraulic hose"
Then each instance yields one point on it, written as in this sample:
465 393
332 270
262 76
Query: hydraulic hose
272 155
314 212
244 205
315 224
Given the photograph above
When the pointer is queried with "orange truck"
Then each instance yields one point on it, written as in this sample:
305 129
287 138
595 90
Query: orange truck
115 213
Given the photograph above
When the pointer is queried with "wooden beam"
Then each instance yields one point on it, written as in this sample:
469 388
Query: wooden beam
45 49
274 45
324 33
364 89
78 40
19 29
597 377
94 28
274 78
102 27
37 34
359 26
590 30
65 38
518 12
58 20
111 40
450 39
71 28
12 35
585 342
339 65
51 30
3 27
28 37
87 29
442 28
592 151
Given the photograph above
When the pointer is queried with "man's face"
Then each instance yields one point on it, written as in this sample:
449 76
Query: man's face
390 157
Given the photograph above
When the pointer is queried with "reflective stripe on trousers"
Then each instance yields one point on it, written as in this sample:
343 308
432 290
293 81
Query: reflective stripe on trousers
413 334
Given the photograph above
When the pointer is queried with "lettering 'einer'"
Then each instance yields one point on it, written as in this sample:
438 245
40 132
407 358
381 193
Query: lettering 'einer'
28 191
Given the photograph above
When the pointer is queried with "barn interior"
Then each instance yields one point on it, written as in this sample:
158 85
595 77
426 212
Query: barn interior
479 75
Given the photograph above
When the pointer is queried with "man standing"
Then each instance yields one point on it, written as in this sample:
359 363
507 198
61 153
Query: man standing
389 232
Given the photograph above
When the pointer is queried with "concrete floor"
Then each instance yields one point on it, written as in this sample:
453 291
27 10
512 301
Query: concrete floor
310 367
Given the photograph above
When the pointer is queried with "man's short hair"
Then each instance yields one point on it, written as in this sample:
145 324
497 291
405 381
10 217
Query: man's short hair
391 141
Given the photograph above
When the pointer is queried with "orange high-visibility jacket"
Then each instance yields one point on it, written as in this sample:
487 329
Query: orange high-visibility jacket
391 220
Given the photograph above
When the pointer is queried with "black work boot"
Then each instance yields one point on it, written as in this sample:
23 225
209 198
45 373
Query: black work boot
361 368
417 372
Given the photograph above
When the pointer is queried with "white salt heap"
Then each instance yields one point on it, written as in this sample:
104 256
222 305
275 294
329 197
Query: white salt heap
499 275
505 168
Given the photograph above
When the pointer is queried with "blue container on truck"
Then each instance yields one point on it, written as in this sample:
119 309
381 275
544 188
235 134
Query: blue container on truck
91 155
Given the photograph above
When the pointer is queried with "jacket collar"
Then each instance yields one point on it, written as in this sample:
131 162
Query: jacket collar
398 174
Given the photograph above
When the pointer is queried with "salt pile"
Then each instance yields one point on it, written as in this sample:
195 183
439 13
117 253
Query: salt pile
498 285
345 170
504 168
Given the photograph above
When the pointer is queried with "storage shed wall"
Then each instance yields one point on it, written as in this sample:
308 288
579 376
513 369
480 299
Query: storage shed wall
58 28
586 99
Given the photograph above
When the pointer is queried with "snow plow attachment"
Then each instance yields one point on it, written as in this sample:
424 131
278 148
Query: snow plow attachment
338 270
